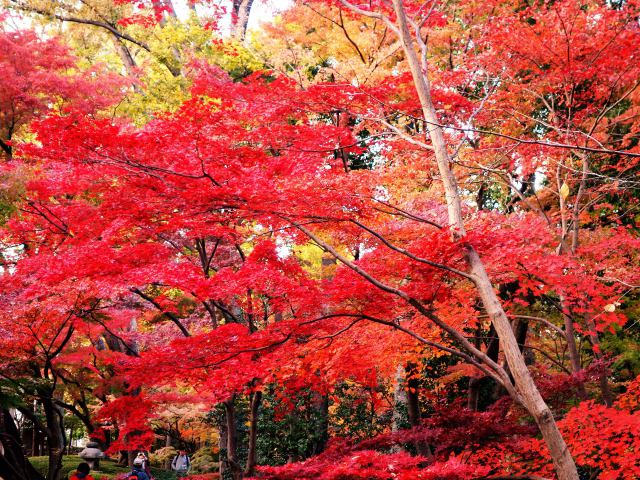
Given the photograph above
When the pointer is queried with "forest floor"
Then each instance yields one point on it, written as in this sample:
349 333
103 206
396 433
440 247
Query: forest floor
109 469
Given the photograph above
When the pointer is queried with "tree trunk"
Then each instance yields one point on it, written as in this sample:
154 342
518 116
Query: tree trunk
493 352
520 330
413 408
167 443
473 394
597 353
13 462
527 392
125 56
256 400
321 404
241 10
223 463
70 441
572 348
399 401
413 404
56 439
232 439
399 405
34 434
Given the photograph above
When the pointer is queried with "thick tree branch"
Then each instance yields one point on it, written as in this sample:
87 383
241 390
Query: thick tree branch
171 316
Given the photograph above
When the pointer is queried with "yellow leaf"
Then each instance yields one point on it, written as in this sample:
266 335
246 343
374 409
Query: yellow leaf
564 190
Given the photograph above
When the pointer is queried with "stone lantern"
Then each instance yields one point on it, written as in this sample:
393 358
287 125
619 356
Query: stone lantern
92 455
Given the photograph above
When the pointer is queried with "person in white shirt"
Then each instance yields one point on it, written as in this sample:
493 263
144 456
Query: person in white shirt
181 464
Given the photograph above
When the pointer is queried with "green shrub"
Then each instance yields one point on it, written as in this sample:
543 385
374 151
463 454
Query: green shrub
109 469
203 461
160 457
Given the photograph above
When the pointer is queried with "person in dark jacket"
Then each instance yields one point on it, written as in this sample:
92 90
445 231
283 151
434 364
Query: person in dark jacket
138 470
146 465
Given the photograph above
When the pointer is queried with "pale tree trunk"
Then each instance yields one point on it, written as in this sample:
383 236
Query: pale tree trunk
527 391
34 443
413 397
125 56
399 404
241 10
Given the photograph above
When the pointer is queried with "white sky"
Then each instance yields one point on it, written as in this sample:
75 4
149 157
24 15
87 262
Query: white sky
262 10
265 10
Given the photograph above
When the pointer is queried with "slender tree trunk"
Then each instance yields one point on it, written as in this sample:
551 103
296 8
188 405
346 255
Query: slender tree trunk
563 248
413 403
321 404
413 407
34 434
256 400
232 439
493 352
597 353
473 394
223 466
399 404
593 334
125 56
572 348
527 392
575 220
71 432
520 330
399 400
167 444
